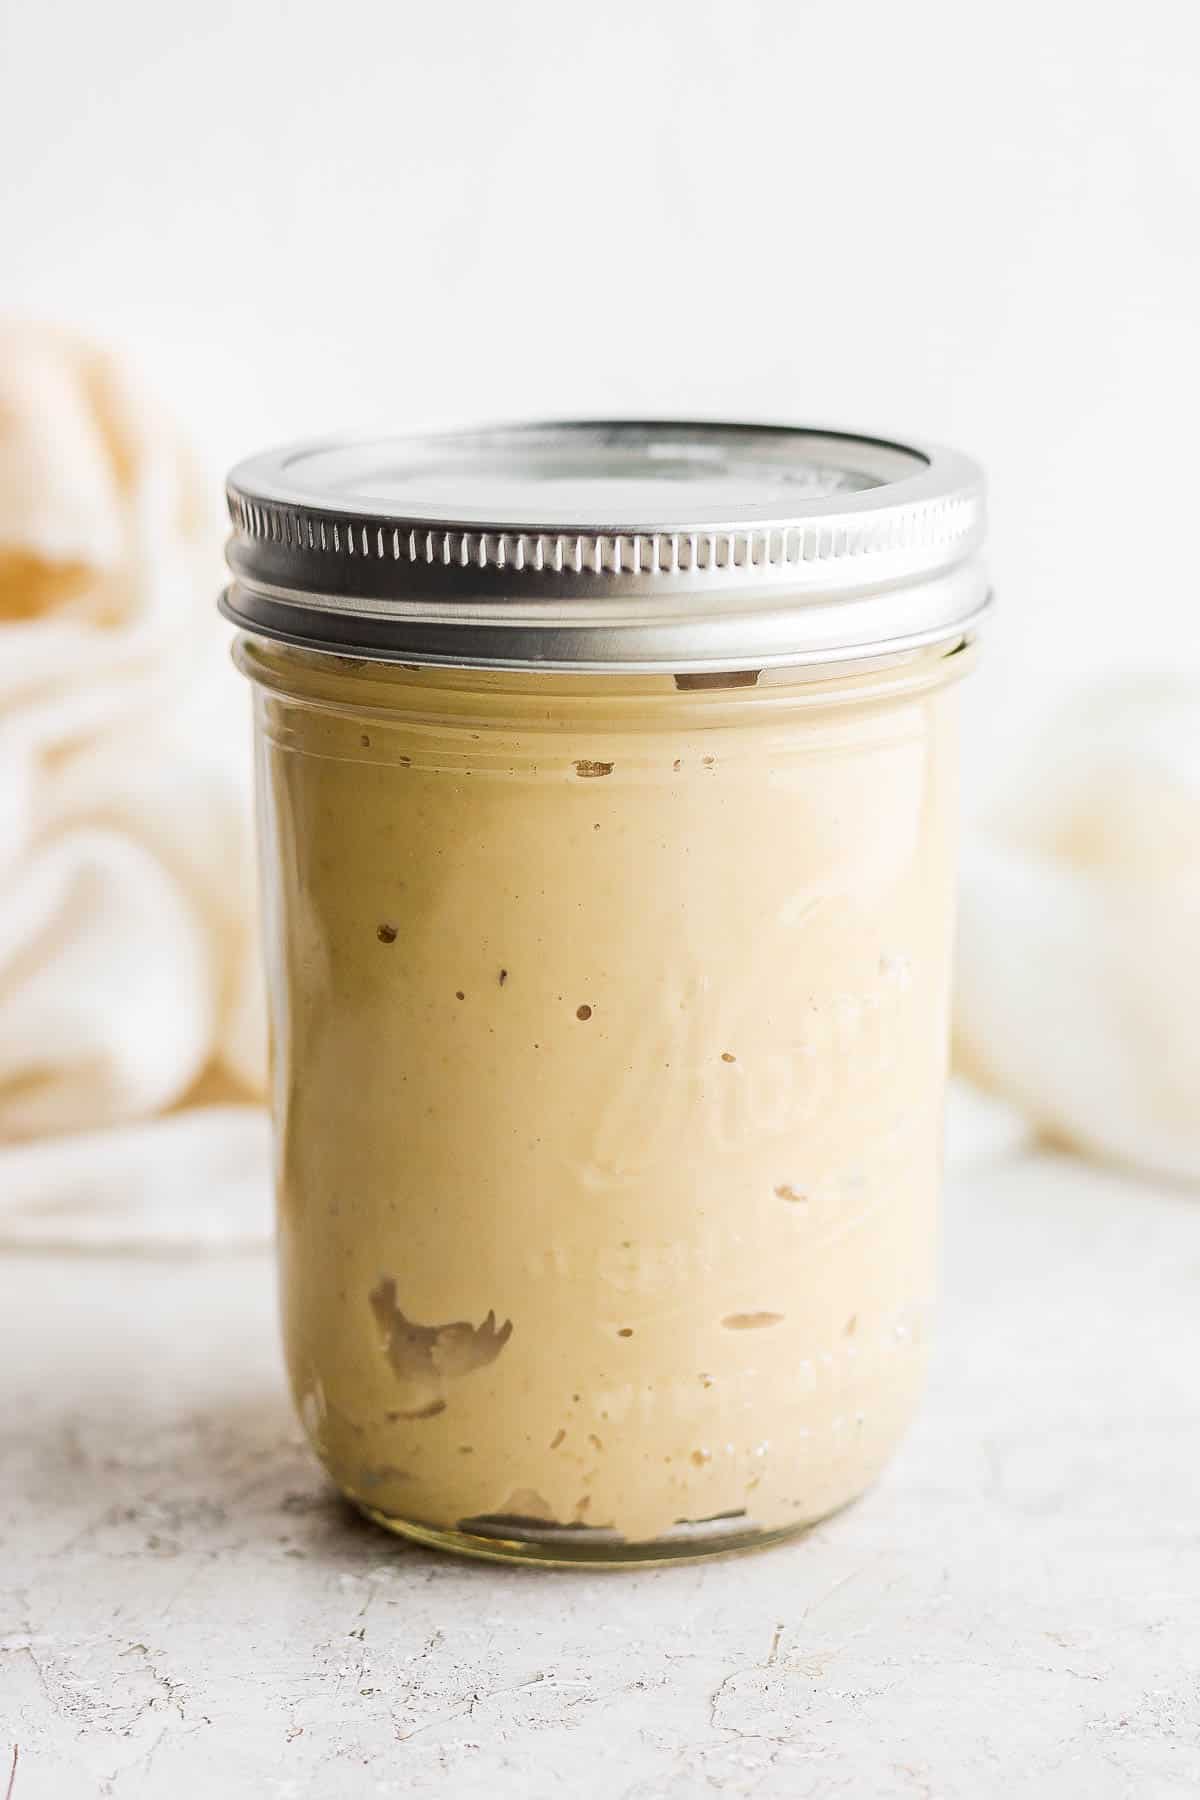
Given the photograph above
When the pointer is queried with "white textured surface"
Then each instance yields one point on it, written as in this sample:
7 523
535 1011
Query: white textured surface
188 1612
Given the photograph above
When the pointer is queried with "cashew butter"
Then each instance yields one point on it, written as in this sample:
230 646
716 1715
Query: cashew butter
607 787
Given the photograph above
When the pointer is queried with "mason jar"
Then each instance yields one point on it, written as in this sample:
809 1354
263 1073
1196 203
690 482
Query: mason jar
606 780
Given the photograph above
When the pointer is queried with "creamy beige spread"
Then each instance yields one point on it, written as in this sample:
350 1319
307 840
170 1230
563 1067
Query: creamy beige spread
610 1025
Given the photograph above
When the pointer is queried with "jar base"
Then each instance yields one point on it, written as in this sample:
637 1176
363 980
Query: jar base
588 1548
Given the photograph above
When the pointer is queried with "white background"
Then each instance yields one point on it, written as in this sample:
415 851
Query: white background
975 223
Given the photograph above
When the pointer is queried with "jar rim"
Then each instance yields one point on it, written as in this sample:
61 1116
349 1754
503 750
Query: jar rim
619 545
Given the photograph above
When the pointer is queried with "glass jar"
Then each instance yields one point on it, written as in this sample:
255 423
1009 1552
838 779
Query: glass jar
608 919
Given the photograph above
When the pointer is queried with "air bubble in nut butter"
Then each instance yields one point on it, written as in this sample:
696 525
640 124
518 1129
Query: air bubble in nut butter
607 795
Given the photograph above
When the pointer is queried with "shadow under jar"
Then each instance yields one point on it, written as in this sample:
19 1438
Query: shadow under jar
607 791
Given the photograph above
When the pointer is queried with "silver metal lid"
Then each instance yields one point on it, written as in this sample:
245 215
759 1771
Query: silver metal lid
610 546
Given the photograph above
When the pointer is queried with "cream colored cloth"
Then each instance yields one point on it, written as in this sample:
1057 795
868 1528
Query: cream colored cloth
1078 982
194 1179
127 966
